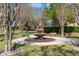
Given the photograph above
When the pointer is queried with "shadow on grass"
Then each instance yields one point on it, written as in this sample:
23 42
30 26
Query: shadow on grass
15 46
1 40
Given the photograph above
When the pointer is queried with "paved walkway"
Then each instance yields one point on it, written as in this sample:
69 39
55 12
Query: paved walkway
58 40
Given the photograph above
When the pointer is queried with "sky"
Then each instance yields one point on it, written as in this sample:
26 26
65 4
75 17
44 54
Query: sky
40 6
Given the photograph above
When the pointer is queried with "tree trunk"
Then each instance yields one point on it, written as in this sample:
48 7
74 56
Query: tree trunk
10 38
62 31
6 38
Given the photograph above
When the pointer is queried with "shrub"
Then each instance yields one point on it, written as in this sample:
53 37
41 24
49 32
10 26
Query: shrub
57 29
51 29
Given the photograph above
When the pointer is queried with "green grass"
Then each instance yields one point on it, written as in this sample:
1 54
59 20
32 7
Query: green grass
2 45
16 35
51 50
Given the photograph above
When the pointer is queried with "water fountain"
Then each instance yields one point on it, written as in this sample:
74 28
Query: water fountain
40 35
40 32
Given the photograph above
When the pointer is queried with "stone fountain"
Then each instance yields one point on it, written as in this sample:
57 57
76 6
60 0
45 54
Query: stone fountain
40 35
40 29
40 32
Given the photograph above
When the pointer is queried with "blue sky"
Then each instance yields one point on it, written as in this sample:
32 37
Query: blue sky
40 5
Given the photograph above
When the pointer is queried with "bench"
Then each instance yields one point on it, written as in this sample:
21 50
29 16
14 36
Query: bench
52 34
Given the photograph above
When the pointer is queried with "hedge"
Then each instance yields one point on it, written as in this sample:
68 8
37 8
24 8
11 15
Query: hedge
57 29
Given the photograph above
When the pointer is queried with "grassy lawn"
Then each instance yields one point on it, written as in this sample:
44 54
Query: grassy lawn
1 41
16 35
51 50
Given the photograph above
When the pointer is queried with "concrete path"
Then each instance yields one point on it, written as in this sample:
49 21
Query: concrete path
58 40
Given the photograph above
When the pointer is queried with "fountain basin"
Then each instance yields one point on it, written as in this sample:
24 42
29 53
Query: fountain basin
40 35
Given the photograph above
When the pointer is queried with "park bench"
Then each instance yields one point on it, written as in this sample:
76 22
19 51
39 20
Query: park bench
52 34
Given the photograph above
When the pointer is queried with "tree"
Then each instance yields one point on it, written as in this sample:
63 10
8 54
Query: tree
62 13
8 19
61 17
75 7
24 17
53 15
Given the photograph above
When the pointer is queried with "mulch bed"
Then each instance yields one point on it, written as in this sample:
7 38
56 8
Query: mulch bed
40 40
